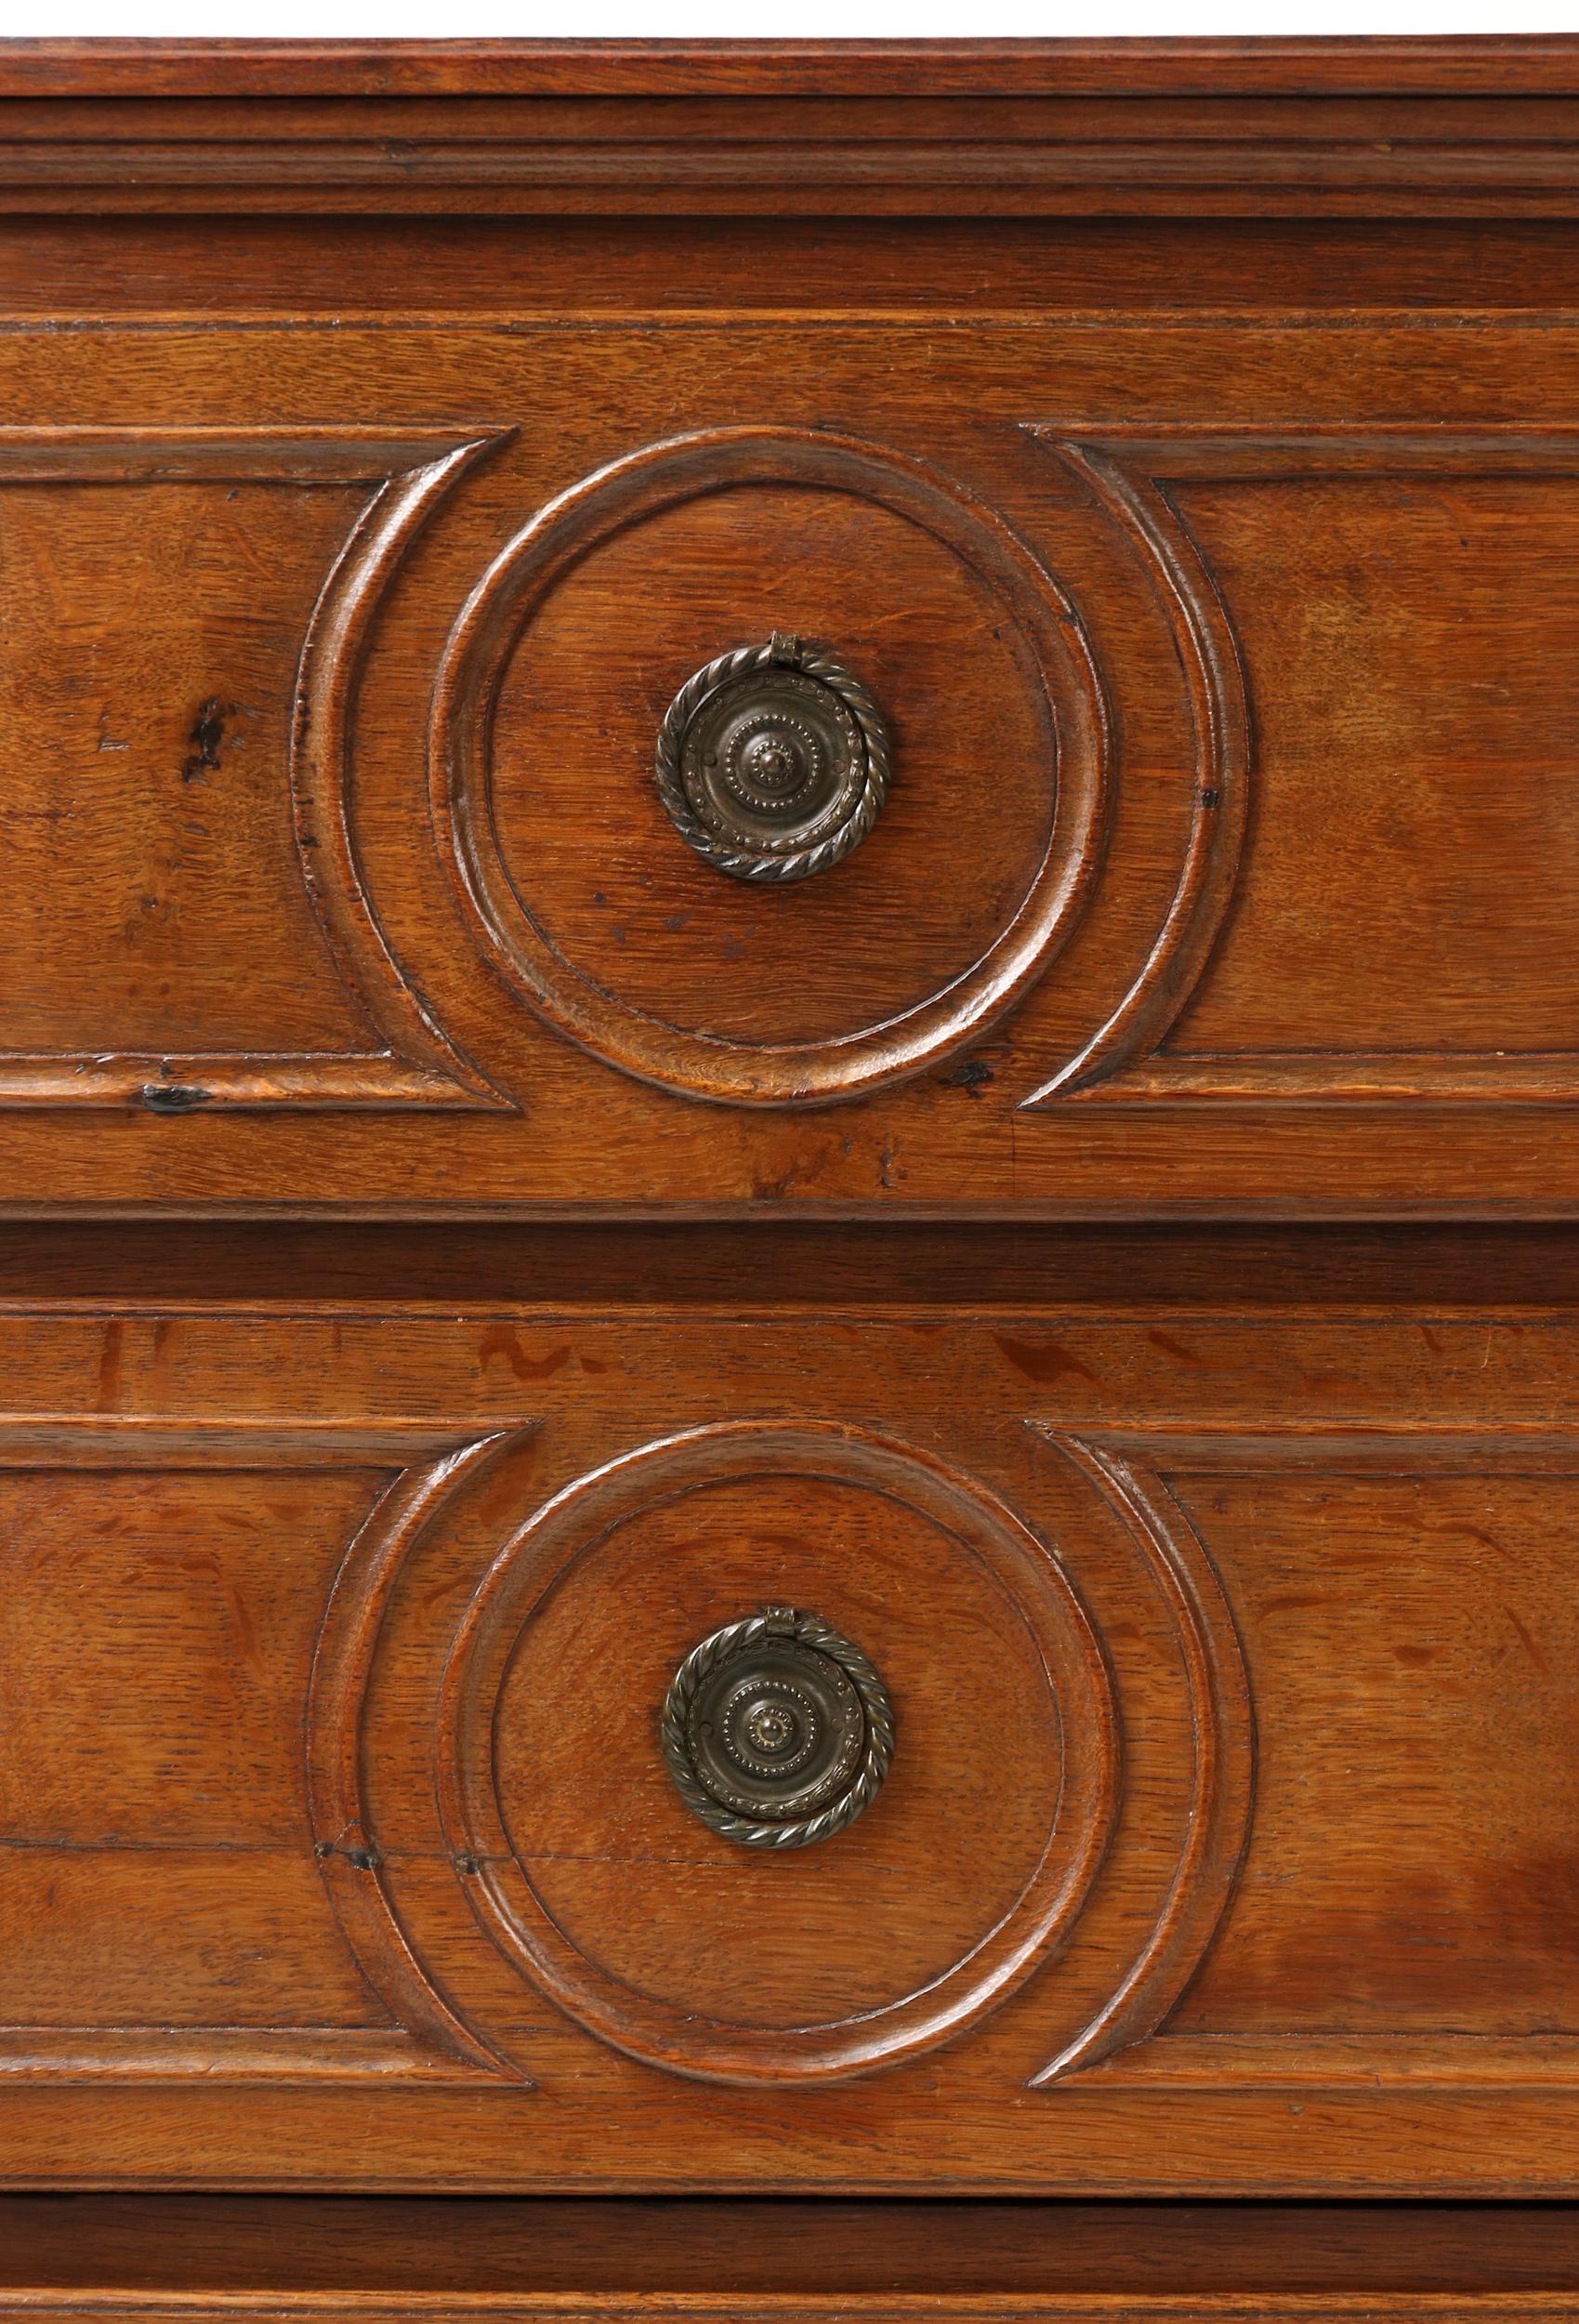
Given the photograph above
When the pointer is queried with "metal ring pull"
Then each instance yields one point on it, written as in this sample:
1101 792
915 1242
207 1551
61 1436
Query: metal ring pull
777 1730
772 761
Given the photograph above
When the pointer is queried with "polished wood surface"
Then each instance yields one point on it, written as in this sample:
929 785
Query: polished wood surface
1222 964
1226 1623
1105 1246
1208 567
1483 66
1156 128
519 267
213 2256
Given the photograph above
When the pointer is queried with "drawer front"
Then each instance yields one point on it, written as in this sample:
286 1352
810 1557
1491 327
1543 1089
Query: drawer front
1042 1751
790 761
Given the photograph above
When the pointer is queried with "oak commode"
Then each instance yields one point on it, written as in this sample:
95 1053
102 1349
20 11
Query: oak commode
789 1118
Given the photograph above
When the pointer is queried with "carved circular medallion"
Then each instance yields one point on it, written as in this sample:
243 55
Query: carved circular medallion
772 761
484 1719
777 1730
784 1723
552 846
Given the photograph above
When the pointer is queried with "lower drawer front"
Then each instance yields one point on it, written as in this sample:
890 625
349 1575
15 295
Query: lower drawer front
1154 1770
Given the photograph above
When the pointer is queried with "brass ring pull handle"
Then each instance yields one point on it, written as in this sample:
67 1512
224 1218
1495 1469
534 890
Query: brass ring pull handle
777 1730
772 761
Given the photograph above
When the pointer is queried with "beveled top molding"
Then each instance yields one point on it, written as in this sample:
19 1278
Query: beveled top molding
1471 128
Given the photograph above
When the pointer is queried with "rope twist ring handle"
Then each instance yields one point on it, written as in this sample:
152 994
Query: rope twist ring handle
774 856
779 1625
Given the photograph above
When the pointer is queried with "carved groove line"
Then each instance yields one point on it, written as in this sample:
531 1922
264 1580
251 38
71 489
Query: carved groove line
704 1066
533 1563
1147 466
419 2050
414 474
1222 1791
1208 654
333 655
1121 1461
347 1849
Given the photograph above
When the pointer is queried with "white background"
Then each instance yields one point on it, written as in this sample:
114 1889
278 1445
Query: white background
561 19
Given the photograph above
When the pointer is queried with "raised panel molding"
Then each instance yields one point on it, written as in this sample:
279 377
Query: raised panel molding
539 1557
439 2033
501 1891
1208 655
408 1060
349 1854
665 475
431 1461
1134 2050
1223 1753
1129 473
398 1730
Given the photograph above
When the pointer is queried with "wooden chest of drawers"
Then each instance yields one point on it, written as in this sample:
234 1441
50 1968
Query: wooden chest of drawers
789 1039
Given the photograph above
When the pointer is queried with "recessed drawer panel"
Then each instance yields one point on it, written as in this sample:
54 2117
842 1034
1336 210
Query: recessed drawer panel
790 761
493 1747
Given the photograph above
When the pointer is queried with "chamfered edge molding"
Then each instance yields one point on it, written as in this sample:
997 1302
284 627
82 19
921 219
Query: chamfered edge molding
1385 128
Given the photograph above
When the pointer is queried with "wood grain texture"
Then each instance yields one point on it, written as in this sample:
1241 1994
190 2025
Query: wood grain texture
1517 65
1245 129
828 1948
175 850
404 265
513 870
1324 962
451 1867
460 1250
1202 1063
211 2256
